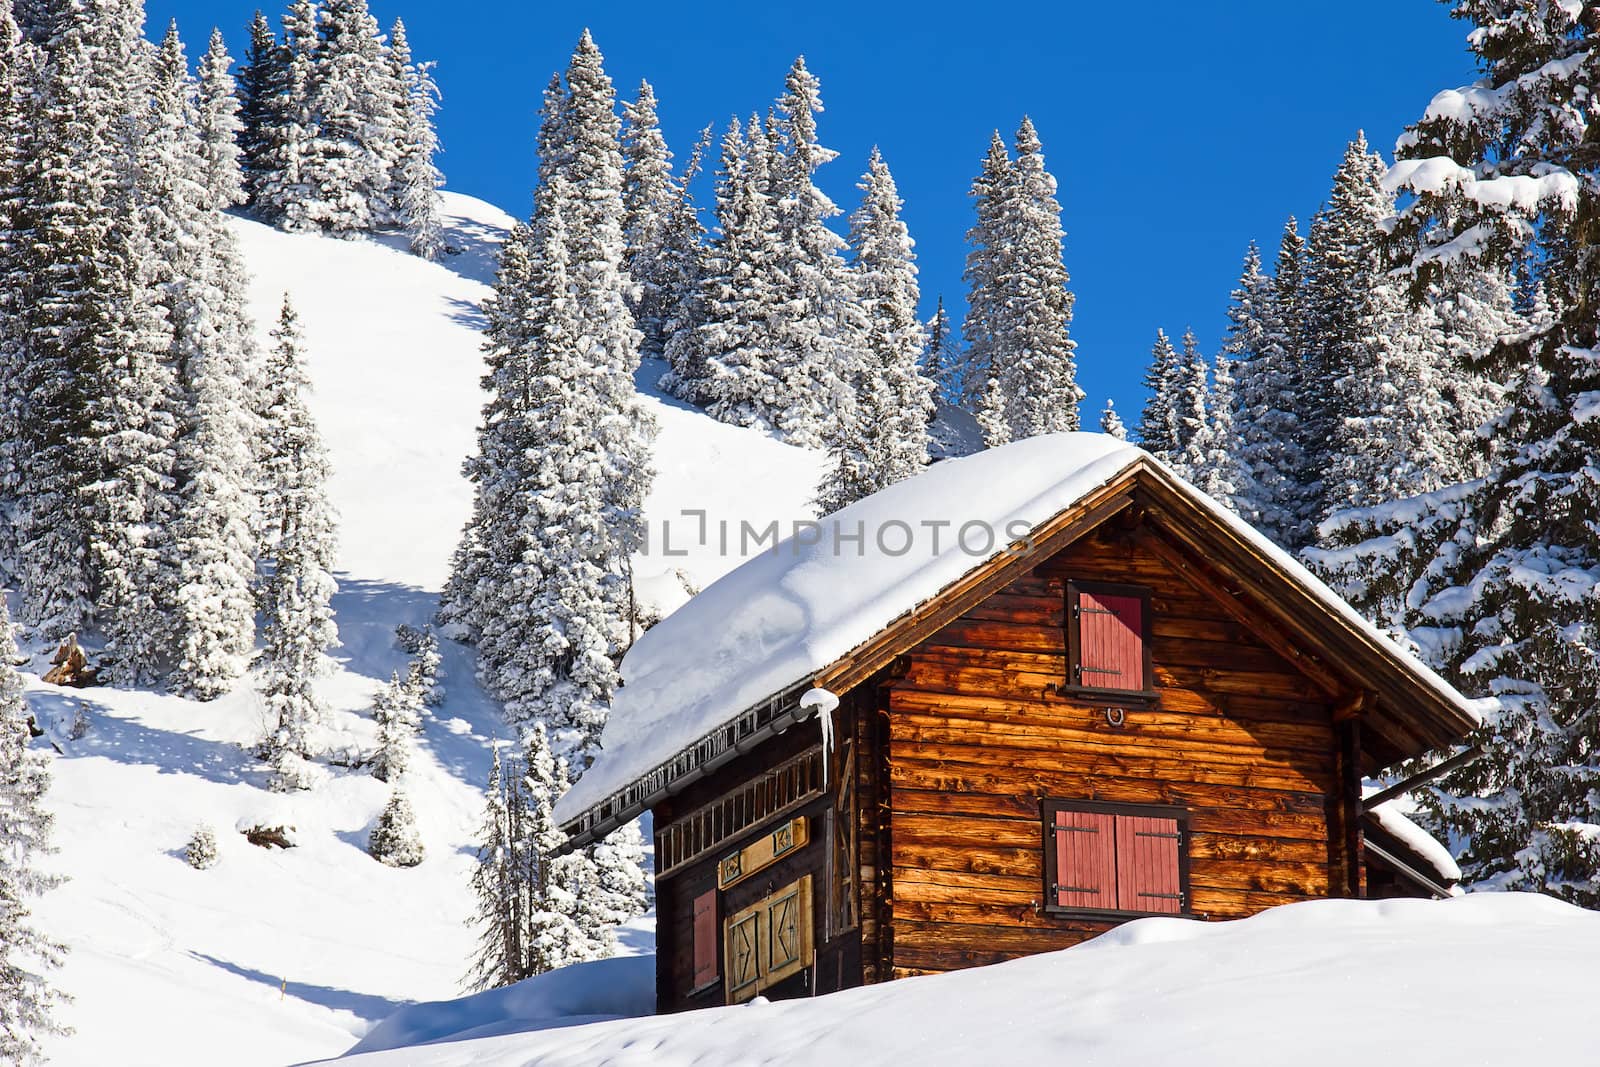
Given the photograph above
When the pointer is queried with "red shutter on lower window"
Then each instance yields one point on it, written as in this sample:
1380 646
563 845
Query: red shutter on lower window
705 938
1147 865
1111 641
1086 860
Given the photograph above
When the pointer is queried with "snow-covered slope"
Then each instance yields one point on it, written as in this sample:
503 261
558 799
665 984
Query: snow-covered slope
281 956
1482 979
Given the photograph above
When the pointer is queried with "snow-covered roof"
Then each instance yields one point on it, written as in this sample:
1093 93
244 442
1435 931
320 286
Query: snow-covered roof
779 619
1423 845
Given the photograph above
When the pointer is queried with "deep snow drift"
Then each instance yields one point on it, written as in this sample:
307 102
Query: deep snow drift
1482 979
282 956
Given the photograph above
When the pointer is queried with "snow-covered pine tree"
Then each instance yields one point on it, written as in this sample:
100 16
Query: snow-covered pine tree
1218 473
262 85
1265 339
1376 409
18 65
1111 422
415 181
279 189
397 711
86 395
1160 423
27 1000
686 302
207 578
395 840
817 319
650 196
563 451
422 674
564 924
736 341
988 263
882 435
300 554
943 364
1032 385
503 882
357 104
220 126
1514 590
1193 423
201 851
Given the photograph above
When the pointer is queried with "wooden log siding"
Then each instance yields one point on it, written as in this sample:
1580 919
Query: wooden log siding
978 738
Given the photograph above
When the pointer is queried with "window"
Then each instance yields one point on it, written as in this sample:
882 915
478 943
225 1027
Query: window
1108 639
1115 858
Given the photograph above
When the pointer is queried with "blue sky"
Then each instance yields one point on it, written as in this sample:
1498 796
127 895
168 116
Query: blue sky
1178 130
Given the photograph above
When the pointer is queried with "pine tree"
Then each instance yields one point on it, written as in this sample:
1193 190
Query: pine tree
297 593
415 179
1218 472
882 436
503 882
201 851
207 577
1160 423
356 103
817 322
18 62
943 364
564 924
397 711
1266 338
686 301
1193 443
422 674
650 196
395 840
736 341
988 264
1032 385
85 336
1111 422
27 1001
280 178
563 448
263 82
220 126
1512 589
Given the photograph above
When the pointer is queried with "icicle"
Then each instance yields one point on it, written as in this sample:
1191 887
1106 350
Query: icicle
824 703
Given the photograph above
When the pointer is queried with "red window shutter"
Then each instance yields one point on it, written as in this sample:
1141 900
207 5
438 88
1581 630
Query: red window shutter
1147 865
705 938
1111 641
1086 860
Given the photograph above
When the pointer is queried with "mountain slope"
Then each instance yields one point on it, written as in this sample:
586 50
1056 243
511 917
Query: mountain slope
281 956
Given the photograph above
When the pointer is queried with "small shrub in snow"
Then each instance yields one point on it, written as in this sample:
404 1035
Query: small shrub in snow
398 714
201 853
395 840
422 676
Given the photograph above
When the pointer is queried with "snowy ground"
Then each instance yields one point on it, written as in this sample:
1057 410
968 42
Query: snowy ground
1490 979
284 956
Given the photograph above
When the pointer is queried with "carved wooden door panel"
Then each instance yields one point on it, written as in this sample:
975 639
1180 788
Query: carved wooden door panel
769 941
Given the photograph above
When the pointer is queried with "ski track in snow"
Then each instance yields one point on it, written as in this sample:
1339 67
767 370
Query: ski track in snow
275 957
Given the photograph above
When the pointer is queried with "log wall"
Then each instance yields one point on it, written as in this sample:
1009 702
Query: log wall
977 738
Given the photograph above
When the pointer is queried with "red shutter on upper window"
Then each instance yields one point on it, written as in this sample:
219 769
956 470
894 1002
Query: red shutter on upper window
1147 865
1086 860
1110 641
705 938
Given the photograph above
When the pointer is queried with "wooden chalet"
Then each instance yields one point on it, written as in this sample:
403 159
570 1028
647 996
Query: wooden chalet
1140 708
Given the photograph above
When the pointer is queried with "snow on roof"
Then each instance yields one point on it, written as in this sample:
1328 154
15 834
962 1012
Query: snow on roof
1423 844
795 609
